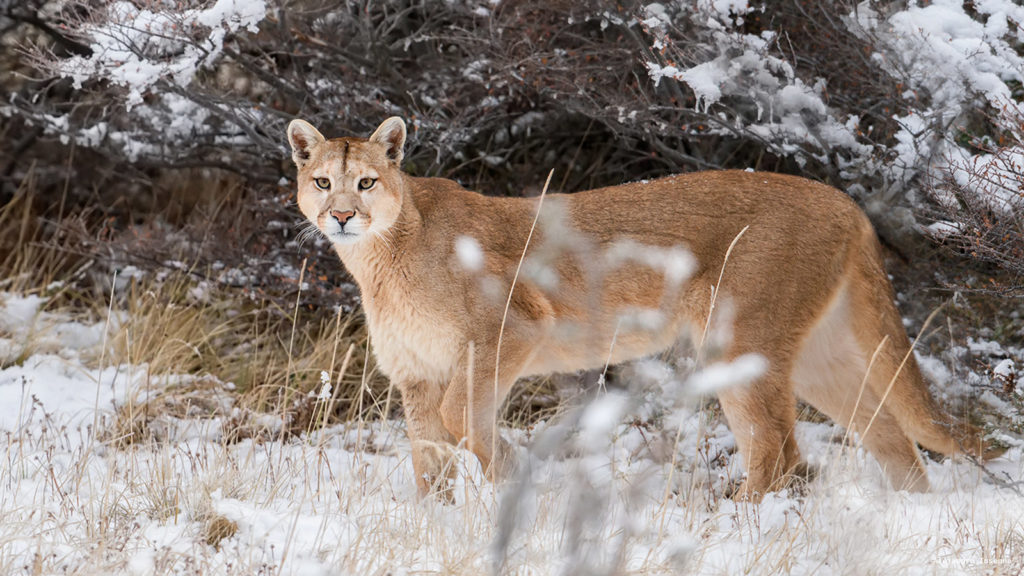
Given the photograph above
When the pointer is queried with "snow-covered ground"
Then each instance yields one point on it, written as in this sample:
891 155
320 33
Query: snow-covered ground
623 498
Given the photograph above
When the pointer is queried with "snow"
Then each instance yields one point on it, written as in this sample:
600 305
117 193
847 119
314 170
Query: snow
943 228
951 61
325 387
233 14
997 179
18 311
655 16
24 324
145 50
961 61
47 382
602 416
797 97
985 347
724 9
1005 373
1005 368
950 53
935 370
657 72
705 80
619 492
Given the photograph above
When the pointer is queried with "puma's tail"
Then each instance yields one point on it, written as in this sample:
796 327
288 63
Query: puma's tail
895 375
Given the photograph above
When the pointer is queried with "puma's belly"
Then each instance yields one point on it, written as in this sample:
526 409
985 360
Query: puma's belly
568 348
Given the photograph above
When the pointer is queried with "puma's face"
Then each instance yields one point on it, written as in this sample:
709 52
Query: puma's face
350 188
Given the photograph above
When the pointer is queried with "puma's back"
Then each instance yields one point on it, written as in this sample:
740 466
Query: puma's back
457 313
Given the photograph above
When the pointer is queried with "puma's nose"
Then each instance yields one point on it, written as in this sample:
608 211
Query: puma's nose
342 217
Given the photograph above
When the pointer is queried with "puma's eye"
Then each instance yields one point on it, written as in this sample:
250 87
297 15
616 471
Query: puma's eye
367 183
322 183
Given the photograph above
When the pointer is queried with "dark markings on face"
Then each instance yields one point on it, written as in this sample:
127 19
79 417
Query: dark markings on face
344 159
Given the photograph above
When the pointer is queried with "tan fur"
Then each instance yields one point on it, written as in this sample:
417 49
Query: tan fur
804 285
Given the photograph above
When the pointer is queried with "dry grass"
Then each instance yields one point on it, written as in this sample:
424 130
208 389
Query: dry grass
177 323
327 504
34 256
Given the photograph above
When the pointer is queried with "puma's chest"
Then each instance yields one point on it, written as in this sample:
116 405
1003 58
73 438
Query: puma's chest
412 341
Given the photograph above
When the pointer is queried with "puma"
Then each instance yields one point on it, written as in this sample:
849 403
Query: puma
803 279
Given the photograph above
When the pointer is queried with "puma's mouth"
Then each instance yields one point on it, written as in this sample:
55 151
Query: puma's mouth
341 237
342 227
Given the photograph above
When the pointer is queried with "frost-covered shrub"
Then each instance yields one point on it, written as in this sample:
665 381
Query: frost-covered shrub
980 197
148 89
214 82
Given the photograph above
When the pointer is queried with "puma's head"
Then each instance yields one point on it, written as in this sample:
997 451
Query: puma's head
350 188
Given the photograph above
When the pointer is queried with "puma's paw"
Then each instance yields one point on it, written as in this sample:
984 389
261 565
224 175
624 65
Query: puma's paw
795 480
742 492
434 465
504 464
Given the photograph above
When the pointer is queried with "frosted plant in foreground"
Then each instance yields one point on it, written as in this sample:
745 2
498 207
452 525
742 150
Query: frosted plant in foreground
325 387
468 251
604 516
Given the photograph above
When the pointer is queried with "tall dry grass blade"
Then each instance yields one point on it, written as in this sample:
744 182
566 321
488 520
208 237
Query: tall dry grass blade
291 349
103 354
342 371
700 357
508 302
470 426
863 385
715 290
892 381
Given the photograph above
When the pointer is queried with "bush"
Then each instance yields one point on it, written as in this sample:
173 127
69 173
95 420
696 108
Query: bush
980 199
877 100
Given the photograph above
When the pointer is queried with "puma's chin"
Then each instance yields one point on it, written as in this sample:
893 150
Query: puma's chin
338 237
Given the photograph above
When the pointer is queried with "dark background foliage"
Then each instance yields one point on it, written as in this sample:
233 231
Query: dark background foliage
496 96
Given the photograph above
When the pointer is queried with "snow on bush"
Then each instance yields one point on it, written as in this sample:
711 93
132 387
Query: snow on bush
137 48
946 129
953 64
154 56
765 96
980 195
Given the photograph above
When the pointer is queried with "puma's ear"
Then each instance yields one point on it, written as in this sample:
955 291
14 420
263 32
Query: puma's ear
303 138
391 133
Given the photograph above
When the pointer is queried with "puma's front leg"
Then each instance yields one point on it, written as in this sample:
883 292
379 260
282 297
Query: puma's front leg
432 450
473 400
762 417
